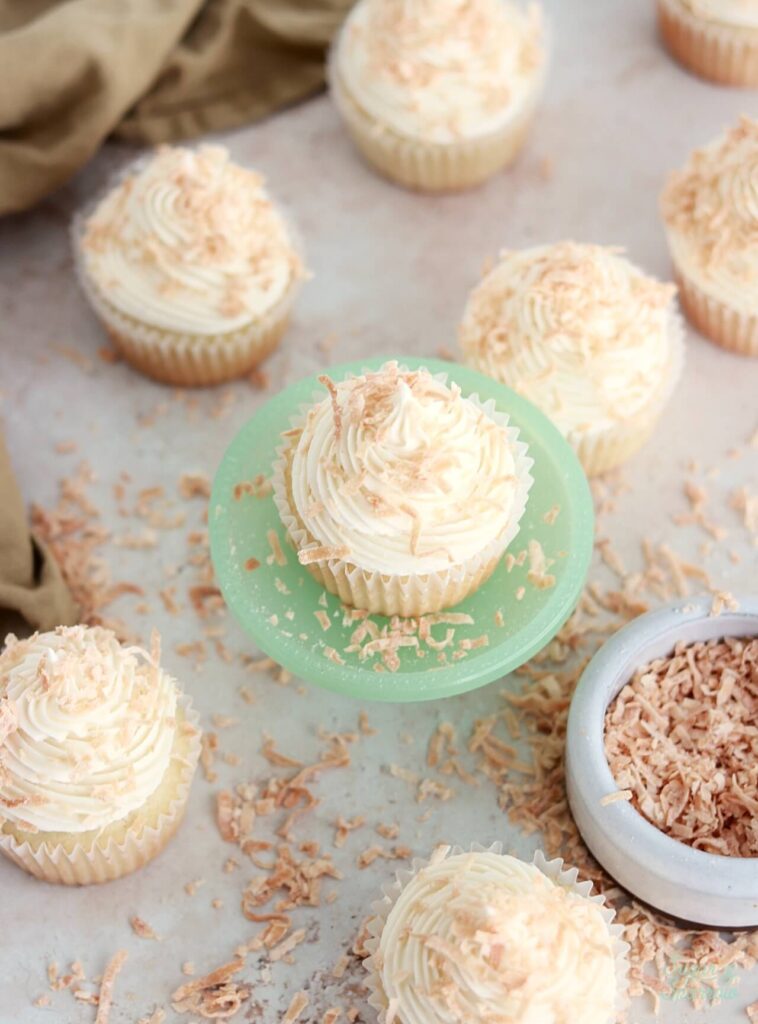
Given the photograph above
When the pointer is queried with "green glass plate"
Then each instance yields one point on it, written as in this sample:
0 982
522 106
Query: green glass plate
276 604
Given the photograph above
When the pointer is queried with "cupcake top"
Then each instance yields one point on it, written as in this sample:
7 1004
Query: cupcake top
440 70
710 208
737 13
484 937
577 329
86 729
397 472
190 242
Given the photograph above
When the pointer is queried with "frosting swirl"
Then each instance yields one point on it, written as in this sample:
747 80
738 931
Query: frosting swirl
92 729
577 329
737 13
190 242
710 208
398 473
441 70
485 937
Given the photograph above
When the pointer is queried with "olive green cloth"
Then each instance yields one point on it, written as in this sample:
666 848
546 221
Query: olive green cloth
32 591
76 71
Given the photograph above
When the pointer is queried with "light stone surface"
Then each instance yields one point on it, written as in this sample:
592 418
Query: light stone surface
391 274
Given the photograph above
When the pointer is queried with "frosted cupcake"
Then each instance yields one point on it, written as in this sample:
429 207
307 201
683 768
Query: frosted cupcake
717 39
583 334
399 494
481 936
97 752
710 209
438 94
189 265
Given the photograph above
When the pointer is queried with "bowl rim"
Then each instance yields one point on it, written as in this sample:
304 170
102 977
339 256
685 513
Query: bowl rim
719 875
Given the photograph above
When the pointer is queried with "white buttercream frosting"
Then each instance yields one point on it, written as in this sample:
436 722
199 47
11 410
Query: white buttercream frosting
190 242
576 329
397 472
441 70
94 726
736 13
711 212
484 937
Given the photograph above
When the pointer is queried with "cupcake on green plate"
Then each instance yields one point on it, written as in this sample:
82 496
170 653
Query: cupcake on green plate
438 94
399 494
97 752
189 265
594 342
477 937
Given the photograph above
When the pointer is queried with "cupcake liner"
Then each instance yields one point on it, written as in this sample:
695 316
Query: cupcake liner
568 878
414 593
179 358
107 859
727 54
734 331
602 450
429 166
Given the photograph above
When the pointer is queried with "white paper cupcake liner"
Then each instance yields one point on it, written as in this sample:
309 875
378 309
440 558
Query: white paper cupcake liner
414 593
727 54
726 327
429 166
177 357
608 447
105 861
568 878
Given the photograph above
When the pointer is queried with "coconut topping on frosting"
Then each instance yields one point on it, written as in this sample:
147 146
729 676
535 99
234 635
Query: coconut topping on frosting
396 472
736 13
190 242
484 937
87 729
711 212
440 70
577 329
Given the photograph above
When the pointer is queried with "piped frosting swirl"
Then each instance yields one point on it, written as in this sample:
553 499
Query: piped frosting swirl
396 472
484 937
577 329
190 242
441 70
89 729
710 208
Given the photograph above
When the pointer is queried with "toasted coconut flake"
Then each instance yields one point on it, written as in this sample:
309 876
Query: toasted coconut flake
322 553
617 797
295 1009
215 996
141 928
105 998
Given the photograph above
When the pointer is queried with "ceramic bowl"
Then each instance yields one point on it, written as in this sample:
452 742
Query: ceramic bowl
700 887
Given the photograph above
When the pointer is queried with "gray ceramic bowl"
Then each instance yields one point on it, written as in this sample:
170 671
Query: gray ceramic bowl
687 883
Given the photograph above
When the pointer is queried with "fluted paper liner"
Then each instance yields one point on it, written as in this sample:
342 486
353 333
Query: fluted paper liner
433 166
567 878
180 358
106 859
722 53
724 326
413 593
607 447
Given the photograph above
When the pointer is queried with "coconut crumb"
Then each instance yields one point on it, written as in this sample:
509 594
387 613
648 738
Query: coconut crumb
298 1003
723 601
105 997
615 798
141 928
214 996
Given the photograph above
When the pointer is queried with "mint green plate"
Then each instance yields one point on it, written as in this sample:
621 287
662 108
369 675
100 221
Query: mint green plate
276 604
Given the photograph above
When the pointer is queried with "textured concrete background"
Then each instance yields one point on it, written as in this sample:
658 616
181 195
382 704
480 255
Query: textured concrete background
392 271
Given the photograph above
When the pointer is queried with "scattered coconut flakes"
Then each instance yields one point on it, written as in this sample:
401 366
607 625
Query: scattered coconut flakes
324 621
322 553
332 1015
105 998
551 515
43 1000
723 601
188 968
224 721
191 887
752 1010
158 1016
208 748
343 827
341 966
141 928
194 485
297 1004
284 948
252 564
277 554
617 797
364 727
376 852
215 996
432 788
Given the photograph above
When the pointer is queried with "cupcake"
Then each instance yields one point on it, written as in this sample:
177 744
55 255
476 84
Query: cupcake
399 494
189 265
97 752
710 210
438 94
717 39
482 936
583 334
